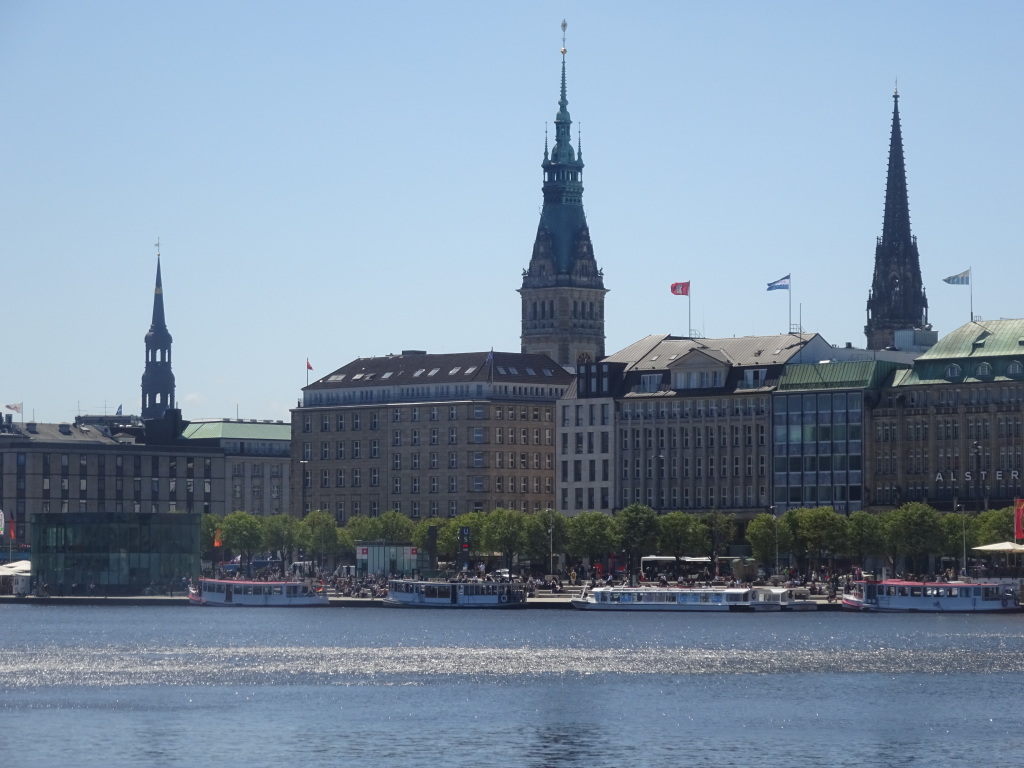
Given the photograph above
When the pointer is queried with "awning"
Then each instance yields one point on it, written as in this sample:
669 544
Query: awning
1002 546
17 568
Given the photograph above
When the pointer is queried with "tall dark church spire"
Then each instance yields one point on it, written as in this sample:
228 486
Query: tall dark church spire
563 290
157 379
897 299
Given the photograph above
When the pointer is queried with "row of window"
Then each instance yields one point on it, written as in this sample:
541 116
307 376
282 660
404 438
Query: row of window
354 421
676 409
702 437
97 464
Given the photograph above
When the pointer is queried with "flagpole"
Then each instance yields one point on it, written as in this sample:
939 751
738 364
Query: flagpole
970 284
790 292
689 315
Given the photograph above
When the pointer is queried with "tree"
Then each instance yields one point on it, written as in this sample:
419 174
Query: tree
364 528
591 535
638 532
680 533
504 531
995 525
283 533
243 533
721 530
395 528
864 536
914 531
209 524
959 534
323 534
823 531
767 537
546 533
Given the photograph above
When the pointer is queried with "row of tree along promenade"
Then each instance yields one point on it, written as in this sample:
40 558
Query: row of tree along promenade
913 538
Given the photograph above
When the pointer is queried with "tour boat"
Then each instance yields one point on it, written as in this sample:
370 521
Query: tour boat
409 593
899 596
678 599
229 592
788 598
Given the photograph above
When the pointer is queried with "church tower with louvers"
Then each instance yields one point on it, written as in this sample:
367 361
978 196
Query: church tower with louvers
897 299
157 379
563 290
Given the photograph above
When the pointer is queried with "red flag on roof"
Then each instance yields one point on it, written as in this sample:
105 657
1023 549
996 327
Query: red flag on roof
308 366
681 289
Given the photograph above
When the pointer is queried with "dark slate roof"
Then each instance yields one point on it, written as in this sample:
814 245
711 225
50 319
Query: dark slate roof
419 368
658 352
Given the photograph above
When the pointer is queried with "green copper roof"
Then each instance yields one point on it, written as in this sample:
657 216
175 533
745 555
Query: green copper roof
982 351
864 374
238 429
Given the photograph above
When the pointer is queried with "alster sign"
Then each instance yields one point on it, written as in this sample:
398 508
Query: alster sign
1014 474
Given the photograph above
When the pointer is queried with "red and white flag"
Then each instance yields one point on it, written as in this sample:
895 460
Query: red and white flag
16 407
681 289
1018 518
309 367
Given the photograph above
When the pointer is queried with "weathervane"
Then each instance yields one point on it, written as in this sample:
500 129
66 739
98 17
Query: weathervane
564 25
157 246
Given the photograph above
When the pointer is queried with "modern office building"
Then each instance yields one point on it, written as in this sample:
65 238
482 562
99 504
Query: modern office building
428 435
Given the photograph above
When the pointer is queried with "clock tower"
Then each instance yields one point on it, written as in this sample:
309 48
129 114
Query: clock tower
563 289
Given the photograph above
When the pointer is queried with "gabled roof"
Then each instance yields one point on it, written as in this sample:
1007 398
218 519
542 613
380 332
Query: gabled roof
659 352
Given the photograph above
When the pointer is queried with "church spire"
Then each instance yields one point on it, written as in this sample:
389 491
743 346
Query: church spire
563 290
897 298
157 379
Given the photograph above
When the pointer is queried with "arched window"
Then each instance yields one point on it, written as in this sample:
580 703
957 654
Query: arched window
1015 368
953 371
984 369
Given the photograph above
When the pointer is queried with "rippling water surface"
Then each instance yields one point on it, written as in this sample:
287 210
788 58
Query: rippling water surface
379 687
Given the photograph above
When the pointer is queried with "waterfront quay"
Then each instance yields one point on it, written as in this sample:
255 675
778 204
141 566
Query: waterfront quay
538 602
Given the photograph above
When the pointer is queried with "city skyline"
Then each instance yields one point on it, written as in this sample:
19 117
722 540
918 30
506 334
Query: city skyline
332 182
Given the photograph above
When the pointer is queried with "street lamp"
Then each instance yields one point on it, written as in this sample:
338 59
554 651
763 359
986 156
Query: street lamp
551 548
302 479
963 519
775 517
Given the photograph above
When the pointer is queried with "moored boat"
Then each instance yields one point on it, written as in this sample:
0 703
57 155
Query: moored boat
232 592
410 593
899 596
677 599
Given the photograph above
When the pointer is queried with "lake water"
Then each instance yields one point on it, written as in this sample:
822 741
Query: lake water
381 687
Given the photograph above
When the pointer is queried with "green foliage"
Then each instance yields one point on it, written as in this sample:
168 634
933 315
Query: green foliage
864 536
395 528
637 527
323 533
681 534
363 528
591 535
959 532
767 537
539 543
721 530
504 530
243 534
995 525
913 531
208 525
285 533
822 531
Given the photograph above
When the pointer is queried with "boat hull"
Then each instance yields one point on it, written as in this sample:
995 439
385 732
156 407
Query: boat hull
223 593
895 596
408 593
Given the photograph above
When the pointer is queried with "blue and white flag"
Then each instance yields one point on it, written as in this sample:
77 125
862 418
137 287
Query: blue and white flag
119 411
964 278
782 284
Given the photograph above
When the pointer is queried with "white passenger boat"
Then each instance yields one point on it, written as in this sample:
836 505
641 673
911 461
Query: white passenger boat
898 596
230 592
788 598
409 593
678 599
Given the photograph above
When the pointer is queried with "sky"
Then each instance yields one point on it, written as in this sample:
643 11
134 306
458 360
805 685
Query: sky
333 180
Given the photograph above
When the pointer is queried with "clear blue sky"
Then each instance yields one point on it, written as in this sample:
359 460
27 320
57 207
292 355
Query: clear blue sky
332 180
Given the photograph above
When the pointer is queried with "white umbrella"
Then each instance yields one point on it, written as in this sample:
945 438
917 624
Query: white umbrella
1002 546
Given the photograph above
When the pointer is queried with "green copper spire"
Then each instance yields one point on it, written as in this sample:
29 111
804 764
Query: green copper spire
563 289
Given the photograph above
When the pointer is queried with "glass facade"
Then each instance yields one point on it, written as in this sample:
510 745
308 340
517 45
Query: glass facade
818 450
114 553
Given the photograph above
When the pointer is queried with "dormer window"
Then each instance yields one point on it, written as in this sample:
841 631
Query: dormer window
985 369
1015 368
953 371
